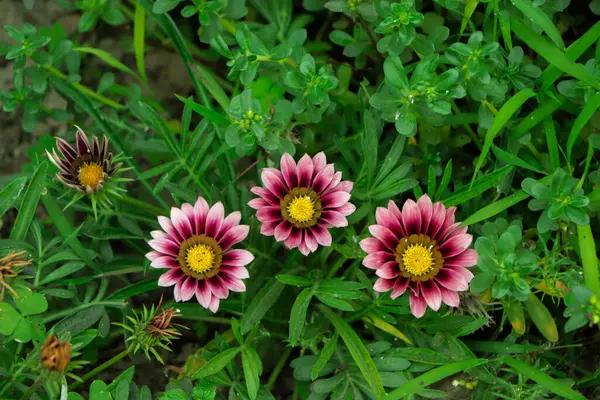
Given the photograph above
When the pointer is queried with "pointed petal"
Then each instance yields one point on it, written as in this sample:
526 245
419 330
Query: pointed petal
214 220
386 218
431 292
305 171
170 278
203 293
426 208
456 245
383 285
266 195
283 230
389 270
400 287
319 161
200 214
418 306
385 236
321 234
188 289
217 287
233 236
451 280
181 223
288 170
449 297
236 272
269 214
294 239
371 245
237 258
377 259
229 222
273 183
467 258
437 220
323 178
411 217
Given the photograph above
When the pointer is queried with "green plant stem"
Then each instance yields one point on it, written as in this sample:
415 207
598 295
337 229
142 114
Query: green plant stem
143 205
64 313
469 130
587 247
104 100
32 389
100 368
278 368
586 169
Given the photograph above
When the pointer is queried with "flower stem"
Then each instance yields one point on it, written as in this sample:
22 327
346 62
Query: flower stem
100 368
32 389
142 204
587 247
278 368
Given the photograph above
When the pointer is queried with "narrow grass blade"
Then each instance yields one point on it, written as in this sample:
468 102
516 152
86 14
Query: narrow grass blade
551 54
512 159
29 203
553 149
357 350
298 314
470 7
587 112
539 17
213 116
430 377
535 374
10 193
212 85
479 186
541 113
446 177
587 248
324 356
108 59
386 327
217 363
500 120
139 39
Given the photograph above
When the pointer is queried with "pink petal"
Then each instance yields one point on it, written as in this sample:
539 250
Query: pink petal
346 209
188 289
334 184
167 226
237 258
258 203
200 214
310 240
319 161
304 248
393 208
170 278
417 305
268 228
266 195
449 231
153 255
321 234
164 246
451 280
203 293
214 220
383 285
389 270
457 231
181 223
399 288
159 235
411 217
448 221
294 239
385 236
305 171
377 259
229 222
334 218
323 178
437 220
385 218
456 245
236 272
468 275
288 170
431 292
371 245
233 236
233 284
283 230
214 304
177 290
188 210
449 297
217 287
467 258
346 186
164 262
269 214
274 183
426 208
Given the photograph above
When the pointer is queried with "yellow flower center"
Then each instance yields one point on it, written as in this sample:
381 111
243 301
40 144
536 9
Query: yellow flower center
302 208
417 259
200 258
90 174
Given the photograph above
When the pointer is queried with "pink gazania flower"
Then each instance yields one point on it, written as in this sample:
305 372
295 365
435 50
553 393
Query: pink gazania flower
195 245
420 248
301 202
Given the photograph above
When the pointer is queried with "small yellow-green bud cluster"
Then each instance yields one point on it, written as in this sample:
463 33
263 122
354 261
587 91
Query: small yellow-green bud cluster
466 384
249 118
594 308
352 4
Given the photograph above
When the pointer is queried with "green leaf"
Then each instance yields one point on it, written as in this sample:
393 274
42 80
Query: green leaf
251 371
479 186
163 6
446 177
108 59
470 7
542 318
551 54
30 303
213 116
369 144
126 376
80 321
430 377
294 280
10 193
175 394
512 159
587 112
67 269
425 356
535 374
324 356
357 350
217 363
99 391
29 203
541 19
139 39
204 390
298 314
9 319
500 120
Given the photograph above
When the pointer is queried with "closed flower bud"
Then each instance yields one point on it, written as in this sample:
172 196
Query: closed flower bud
55 355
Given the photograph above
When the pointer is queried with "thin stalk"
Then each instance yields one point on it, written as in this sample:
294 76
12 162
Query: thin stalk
104 100
100 368
587 247
278 368
143 205
469 130
32 389
586 169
